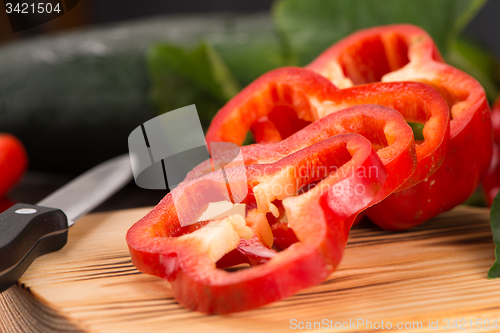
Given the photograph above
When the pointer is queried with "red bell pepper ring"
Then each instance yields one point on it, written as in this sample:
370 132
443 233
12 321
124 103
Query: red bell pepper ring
288 88
320 218
407 53
491 181
369 55
311 97
386 129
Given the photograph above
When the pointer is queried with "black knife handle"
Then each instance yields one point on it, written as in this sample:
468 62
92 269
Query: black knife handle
27 232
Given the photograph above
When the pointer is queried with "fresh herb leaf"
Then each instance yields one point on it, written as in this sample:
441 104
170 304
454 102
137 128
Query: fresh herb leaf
473 59
494 271
309 27
249 47
201 65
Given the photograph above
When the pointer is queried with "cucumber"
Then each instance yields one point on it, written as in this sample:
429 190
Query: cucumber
74 98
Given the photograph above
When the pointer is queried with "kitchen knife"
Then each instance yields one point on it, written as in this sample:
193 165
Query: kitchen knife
29 231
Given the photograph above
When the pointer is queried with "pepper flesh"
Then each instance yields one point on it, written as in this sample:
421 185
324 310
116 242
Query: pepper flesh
310 97
386 129
320 218
407 53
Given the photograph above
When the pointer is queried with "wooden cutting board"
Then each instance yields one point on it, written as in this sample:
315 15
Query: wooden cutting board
433 272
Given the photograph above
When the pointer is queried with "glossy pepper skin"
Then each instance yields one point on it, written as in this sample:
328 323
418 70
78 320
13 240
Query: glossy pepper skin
491 181
309 97
386 129
407 53
13 162
321 219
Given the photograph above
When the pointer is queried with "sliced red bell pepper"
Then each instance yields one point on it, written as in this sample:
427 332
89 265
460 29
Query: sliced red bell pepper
386 129
312 224
311 97
407 53
320 219
370 55
288 90
389 134
491 181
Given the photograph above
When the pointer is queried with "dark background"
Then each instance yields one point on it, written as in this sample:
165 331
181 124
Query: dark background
95 12
485 28
36 185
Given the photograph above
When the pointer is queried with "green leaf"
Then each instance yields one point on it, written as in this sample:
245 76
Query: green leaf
181 76
251 60
476 199
309 27
494 271
417 130
201 65
249 47
473 59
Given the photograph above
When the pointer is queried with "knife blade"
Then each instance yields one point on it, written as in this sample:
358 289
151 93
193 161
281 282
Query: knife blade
29 231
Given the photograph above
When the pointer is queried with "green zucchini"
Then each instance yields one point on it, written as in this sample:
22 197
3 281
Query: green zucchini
73 98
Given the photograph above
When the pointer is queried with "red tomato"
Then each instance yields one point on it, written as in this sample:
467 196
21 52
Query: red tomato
13 161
